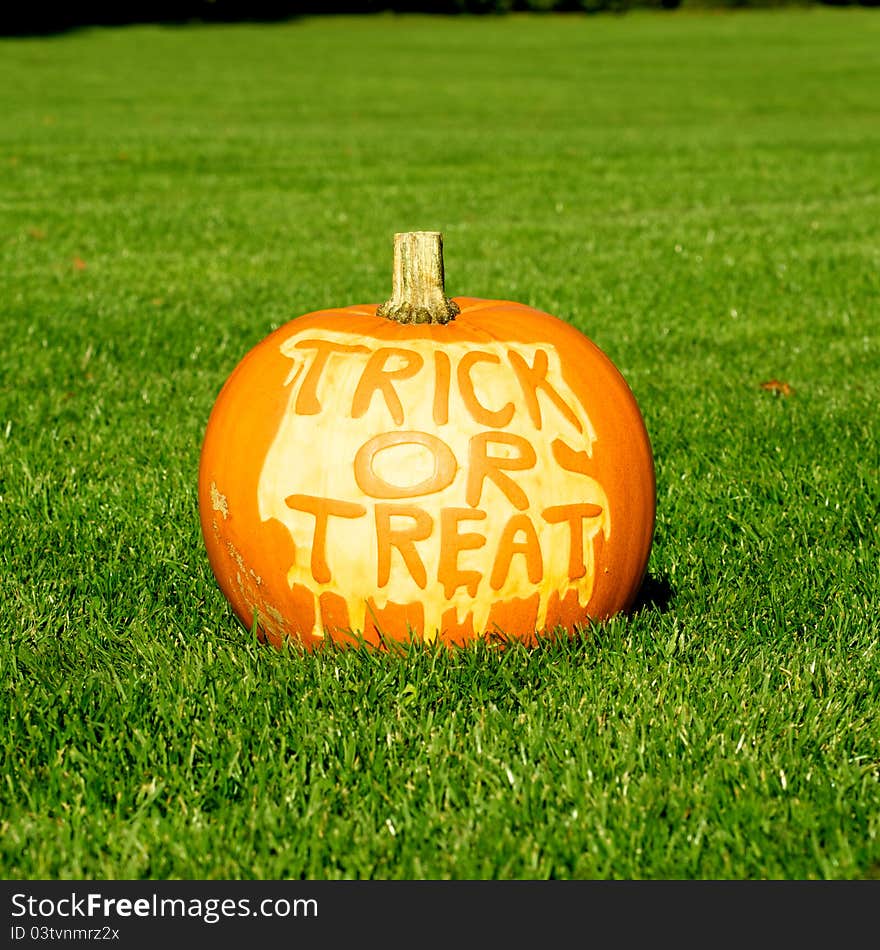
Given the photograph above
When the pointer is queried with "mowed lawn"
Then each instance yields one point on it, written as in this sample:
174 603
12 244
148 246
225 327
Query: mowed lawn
698 193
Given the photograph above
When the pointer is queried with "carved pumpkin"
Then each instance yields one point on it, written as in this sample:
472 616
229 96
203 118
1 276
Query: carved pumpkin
426 468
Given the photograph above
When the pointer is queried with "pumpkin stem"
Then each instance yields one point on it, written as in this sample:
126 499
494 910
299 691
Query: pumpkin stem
418 293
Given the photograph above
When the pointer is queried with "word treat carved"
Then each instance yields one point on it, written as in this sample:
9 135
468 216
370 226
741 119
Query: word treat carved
430 467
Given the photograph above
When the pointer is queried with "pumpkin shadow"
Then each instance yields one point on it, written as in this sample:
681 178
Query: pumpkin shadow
656 593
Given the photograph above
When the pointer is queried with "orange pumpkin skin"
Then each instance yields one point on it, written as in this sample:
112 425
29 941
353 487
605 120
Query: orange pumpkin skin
361 479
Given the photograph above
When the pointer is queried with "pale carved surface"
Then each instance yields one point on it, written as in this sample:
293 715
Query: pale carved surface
375 482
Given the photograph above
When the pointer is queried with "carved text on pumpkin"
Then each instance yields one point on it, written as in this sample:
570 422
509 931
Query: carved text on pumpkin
431 473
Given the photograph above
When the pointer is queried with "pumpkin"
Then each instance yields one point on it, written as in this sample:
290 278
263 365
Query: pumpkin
428 468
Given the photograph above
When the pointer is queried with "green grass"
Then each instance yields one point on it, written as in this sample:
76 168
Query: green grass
699 193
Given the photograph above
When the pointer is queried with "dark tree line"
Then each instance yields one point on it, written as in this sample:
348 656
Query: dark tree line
40 17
